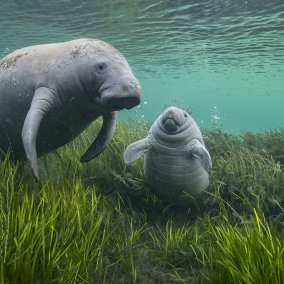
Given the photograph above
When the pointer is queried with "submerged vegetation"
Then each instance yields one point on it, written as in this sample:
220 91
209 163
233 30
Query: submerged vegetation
99 222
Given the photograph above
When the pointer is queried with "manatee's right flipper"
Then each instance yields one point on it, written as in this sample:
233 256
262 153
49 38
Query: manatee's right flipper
200 152
44 99
103 139
136 150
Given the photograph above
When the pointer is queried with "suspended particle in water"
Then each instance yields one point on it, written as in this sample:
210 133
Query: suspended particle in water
6 51
216 117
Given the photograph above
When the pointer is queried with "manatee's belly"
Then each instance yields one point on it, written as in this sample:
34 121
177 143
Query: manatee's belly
11 124
56 130
172 172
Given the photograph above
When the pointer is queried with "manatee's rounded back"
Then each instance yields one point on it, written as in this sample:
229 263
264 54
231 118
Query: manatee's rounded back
169 168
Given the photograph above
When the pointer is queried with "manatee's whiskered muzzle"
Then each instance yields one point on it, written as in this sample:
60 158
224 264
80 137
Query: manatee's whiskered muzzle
130 94
173 120
124 94
128 102
134 95
173 116
170 125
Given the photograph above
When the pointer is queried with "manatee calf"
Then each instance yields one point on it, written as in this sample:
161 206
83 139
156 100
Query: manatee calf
50 93
175 157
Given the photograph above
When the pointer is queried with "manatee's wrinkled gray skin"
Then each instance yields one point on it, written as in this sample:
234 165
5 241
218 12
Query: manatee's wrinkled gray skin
175 157
50 93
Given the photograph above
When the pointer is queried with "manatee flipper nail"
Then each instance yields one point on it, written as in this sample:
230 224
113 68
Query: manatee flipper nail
103 139
43 101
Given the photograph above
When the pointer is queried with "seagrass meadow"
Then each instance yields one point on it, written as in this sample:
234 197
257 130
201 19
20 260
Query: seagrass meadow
99 223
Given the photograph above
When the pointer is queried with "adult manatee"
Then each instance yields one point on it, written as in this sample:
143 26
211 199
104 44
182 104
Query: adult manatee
50 93
175 157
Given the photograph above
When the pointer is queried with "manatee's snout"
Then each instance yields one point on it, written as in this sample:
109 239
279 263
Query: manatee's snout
170 125
132 90
173 120
125 93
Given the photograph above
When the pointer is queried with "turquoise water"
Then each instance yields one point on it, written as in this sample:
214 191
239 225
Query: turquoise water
222 59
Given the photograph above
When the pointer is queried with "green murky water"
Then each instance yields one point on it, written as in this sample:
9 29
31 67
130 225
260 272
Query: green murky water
222 58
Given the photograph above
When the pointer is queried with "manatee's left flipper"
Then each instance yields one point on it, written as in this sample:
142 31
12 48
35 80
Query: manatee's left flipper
103 139
200 152
44 99
137 149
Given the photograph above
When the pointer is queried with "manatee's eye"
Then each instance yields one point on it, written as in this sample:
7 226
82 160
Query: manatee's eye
185 114
101 67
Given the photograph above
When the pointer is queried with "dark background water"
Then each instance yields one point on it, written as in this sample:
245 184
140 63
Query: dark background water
224 59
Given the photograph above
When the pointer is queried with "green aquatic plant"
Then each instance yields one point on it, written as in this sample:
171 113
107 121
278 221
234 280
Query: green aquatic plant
100 223
54 237
183 248
247 177
252 253
270 142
